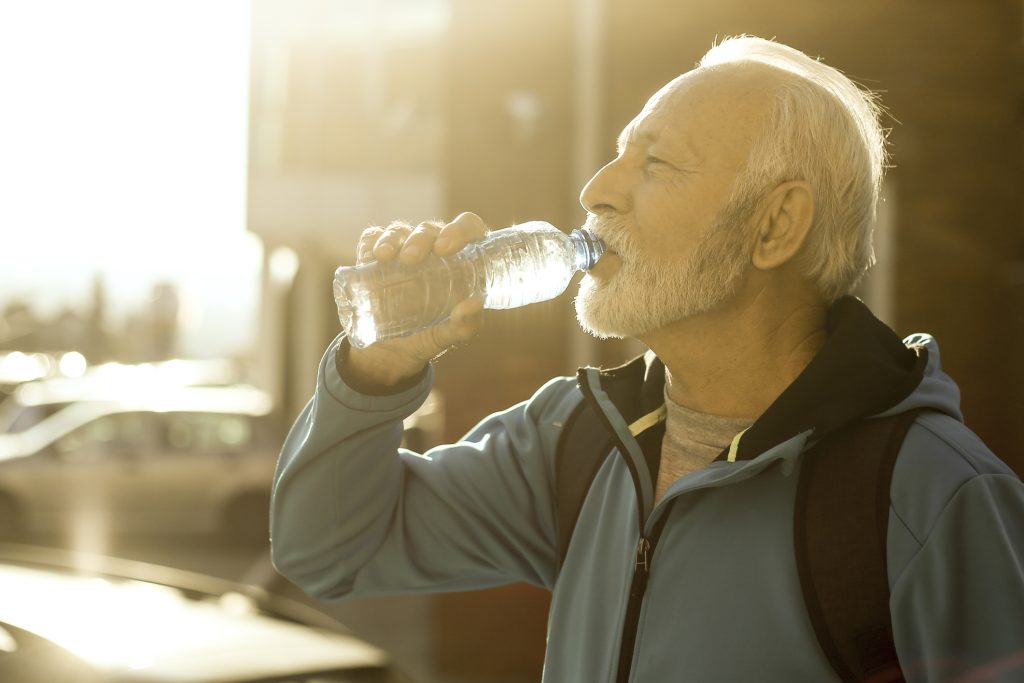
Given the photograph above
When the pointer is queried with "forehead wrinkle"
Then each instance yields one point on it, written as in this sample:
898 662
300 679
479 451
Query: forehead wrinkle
639 133
678 139
630 134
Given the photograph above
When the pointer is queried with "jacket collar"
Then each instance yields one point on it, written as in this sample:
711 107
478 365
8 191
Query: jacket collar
862 370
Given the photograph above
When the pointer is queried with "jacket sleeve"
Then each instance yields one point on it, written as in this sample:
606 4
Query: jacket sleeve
354 514
958 606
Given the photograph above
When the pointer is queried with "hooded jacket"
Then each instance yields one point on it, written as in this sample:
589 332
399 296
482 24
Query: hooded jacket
355 515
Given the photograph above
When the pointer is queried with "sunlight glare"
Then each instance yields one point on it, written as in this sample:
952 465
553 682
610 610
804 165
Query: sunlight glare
72 364
124 130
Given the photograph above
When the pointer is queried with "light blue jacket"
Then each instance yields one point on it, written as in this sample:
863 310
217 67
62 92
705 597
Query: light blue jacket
354 515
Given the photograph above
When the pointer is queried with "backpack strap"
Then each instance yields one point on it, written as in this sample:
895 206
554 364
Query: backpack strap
583 446
840 532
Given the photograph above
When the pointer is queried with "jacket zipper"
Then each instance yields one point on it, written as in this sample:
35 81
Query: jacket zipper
644 550
638 587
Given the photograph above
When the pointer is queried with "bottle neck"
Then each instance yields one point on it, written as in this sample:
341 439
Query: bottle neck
588 248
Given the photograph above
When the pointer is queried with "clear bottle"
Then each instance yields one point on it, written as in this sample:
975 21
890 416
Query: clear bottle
509 268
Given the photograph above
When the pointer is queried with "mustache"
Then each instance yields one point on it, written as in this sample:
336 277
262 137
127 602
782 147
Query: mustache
612 232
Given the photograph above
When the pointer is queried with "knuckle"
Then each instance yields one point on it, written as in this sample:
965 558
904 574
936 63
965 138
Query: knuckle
429 226
470 223
371 232
468 217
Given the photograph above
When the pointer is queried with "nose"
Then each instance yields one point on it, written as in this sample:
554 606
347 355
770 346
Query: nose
606 191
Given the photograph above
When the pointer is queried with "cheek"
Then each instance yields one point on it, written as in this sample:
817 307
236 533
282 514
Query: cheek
670 222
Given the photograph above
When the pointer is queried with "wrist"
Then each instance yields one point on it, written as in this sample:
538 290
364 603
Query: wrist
375 371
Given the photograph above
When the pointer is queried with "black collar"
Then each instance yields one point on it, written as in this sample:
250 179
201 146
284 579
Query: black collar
863 369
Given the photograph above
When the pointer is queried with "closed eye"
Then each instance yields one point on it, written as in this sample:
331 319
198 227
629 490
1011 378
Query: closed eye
651 160
652 163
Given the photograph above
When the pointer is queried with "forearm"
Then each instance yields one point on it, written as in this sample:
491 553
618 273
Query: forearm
338 480
354 514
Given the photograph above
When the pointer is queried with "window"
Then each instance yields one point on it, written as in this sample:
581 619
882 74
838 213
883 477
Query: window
30 416
122 434
210 433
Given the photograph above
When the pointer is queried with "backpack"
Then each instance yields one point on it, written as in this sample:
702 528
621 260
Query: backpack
841 519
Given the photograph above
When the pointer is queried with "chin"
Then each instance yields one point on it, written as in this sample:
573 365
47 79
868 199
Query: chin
595 319
599 333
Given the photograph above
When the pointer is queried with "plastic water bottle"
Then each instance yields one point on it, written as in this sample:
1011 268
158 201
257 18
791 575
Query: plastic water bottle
509 268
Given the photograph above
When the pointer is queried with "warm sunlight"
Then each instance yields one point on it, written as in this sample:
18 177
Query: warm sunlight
124 134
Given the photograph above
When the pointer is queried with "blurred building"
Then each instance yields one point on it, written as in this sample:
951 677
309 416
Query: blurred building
148 332
346 131
364 112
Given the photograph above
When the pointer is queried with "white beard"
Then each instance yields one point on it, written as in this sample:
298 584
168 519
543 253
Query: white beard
649 292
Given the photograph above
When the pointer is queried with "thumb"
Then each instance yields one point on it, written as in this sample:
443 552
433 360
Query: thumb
466 320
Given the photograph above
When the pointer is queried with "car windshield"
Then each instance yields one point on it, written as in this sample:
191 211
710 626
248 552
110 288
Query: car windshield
15 417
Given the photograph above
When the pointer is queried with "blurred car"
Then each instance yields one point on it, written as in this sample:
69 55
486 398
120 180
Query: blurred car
31 402
18 367
73 618
173 459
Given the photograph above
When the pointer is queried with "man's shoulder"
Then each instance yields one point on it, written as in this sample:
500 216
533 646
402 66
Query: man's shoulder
939 456
556 399
948 446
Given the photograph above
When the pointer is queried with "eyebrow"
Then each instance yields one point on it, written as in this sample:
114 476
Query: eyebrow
629 134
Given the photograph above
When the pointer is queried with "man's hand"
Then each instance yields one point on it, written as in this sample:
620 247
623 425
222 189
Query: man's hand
391 361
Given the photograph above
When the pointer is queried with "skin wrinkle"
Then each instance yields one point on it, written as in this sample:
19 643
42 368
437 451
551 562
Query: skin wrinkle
809 321
796 350
706 279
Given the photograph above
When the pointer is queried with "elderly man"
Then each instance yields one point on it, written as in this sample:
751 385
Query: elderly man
737 215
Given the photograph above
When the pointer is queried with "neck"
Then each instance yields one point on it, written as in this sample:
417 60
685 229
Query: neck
736 360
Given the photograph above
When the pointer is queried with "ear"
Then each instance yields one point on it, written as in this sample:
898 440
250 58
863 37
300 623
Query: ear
783 224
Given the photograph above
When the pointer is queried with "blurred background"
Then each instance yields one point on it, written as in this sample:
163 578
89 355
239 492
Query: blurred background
179 180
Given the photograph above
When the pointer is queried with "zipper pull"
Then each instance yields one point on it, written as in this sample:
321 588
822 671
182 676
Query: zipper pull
642 549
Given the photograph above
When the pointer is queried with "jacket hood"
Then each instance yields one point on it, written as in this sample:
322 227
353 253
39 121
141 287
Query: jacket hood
863 370
936 390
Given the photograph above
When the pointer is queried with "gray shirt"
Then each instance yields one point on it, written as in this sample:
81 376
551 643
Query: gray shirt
692 441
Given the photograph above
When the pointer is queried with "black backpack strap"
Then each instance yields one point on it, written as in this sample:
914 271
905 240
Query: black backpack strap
840 532
583 446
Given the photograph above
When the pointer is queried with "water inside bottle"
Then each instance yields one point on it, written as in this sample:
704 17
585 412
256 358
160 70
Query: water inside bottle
510 268
355 313
383 300
364 327
536 267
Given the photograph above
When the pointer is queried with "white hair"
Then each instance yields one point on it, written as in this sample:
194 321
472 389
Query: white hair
823 129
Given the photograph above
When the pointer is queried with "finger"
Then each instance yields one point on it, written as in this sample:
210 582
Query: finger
467 308
467 227
391 240
466 319
420 241
364 248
